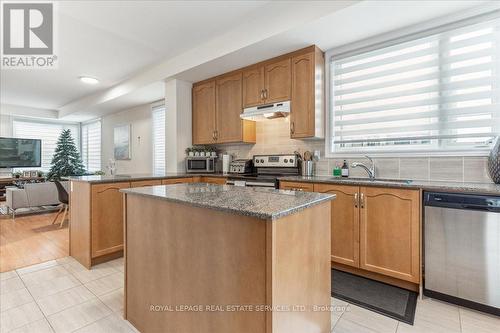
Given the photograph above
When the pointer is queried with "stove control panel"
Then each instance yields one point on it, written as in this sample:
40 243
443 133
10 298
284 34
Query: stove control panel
281 161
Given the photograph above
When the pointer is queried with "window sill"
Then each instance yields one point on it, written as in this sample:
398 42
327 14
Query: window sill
340 155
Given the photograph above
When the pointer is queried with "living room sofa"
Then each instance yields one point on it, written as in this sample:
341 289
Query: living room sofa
33 195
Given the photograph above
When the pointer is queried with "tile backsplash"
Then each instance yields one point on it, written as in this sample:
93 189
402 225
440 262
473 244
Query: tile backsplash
273 137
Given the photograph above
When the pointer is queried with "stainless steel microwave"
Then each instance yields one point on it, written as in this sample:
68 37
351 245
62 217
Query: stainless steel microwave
200 164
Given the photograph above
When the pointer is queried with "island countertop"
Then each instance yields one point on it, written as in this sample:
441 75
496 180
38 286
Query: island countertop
261 203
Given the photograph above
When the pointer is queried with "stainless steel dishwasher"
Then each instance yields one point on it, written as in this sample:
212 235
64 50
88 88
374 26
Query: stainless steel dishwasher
462 249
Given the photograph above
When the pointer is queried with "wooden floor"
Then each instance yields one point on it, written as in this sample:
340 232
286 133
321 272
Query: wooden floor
30 240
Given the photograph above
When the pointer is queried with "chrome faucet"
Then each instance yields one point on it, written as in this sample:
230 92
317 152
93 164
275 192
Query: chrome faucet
370 171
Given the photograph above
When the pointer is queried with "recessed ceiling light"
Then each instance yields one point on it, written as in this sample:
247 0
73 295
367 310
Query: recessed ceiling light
89 80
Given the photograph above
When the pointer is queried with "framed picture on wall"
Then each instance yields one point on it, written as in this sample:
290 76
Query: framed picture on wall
121 139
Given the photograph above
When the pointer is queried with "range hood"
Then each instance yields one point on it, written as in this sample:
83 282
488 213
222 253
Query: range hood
268 111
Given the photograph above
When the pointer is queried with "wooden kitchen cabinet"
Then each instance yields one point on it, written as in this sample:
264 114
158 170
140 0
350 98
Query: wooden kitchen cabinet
171 181
296 186
217 105
307 105
229 126
107 218
203 122
213 180
143 183
277 81
253 87
390 232
344 223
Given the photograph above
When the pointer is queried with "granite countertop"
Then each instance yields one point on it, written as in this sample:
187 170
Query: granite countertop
438 186
140 176
263 203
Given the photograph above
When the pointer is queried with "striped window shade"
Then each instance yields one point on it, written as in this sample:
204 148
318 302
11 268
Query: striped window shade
47 132
91 145
159 162
437 93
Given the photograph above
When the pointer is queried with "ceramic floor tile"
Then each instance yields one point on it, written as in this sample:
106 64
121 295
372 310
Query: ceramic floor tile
477 322
54 286
114 300
37 267
64 299
86 275
370 319
7 275
14 299
422 326
66 260
112 323
12 284
44 275
106 284
347 326
39 326
78 316
439 315
19 316
118 264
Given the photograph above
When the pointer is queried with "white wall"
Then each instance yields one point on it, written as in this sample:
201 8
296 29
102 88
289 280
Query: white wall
177 123
141 139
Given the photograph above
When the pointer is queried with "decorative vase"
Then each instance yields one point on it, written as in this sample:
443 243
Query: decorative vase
214 154
196 153
191 153
494 162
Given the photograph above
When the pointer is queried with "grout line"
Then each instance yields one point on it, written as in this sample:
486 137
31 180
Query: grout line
460 319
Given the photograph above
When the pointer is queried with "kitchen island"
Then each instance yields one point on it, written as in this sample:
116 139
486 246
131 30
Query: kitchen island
217 258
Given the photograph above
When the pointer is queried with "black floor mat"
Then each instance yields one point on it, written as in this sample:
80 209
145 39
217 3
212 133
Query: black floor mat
391 301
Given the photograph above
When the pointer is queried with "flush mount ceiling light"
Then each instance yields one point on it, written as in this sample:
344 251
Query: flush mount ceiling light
89 80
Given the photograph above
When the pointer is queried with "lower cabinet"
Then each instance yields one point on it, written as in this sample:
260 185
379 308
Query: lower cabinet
107 218
176 181
376 229
213 180
293 186
143 183
390 232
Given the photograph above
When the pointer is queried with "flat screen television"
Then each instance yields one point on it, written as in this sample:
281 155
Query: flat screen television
20 153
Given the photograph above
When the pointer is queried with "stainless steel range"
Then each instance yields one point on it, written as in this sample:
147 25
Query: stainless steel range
266 171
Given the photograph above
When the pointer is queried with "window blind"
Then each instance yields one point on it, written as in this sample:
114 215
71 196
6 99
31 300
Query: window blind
159 163
48 133
437 93
91 146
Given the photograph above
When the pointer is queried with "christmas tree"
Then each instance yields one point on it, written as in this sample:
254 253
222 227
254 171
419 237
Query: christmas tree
66 160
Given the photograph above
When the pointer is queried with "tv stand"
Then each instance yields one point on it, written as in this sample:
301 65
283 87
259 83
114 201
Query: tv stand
4 182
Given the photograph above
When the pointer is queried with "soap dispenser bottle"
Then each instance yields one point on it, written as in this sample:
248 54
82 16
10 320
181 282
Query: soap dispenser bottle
345 169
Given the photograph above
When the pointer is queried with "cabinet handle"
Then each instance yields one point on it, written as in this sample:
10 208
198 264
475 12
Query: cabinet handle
216 135
292 127
213 135
356 200
362 200
262 94
265 93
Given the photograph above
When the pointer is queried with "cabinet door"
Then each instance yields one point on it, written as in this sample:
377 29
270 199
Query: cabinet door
344 223
107 218
253 87
214 180
390 232
292 186
303 96
204 113
229 108
171 181
277 81
143 183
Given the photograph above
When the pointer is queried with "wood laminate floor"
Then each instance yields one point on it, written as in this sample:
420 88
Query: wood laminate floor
30 240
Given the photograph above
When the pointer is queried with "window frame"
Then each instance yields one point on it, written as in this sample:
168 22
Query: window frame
393 38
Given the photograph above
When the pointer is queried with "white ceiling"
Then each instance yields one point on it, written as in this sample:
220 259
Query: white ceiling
112 42
132 47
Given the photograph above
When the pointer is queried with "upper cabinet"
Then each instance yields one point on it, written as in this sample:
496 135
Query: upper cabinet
297 77
307 103
253 87
204 113
277 78
217 105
